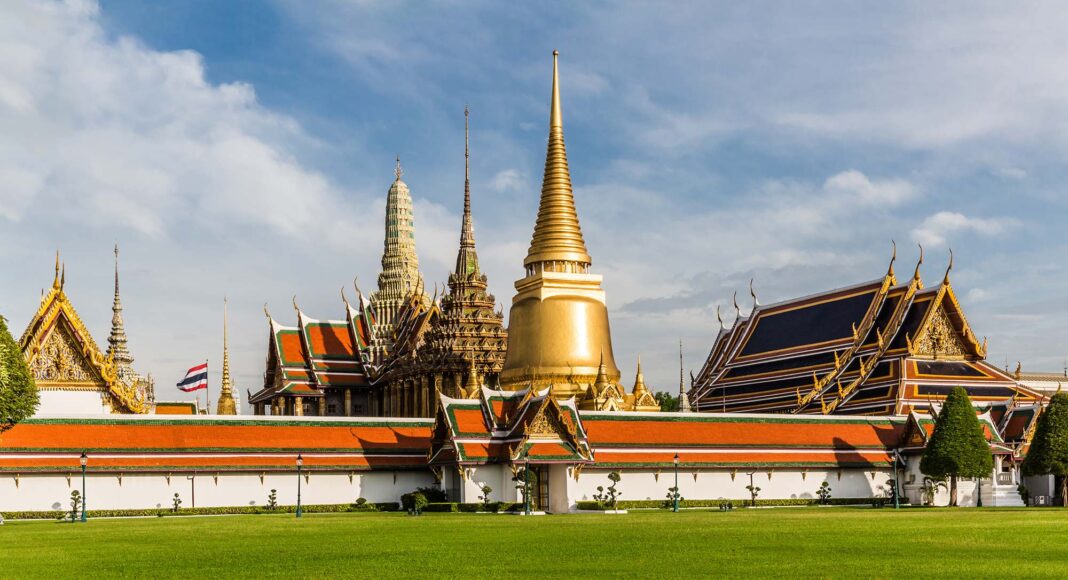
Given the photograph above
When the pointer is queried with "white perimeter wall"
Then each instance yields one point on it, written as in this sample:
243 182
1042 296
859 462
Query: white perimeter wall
105 491
71 403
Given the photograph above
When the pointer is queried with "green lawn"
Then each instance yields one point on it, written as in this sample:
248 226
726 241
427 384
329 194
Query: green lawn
805 542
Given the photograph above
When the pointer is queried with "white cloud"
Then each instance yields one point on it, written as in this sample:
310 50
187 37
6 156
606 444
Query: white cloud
114 133
937 228
507 180
855 186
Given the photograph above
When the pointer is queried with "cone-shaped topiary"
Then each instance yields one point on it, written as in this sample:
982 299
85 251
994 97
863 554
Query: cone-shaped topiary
958 447
18 393
1049 447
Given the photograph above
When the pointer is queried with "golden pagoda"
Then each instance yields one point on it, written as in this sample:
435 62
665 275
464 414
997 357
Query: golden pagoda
226 405
558 335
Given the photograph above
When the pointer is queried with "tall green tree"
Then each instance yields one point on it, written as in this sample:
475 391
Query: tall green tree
1049 447
668 403
18 393
958 447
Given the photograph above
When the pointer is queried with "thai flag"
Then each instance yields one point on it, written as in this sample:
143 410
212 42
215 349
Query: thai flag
195 379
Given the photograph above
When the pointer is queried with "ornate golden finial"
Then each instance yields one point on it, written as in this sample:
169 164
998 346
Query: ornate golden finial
1019 371
63 276
916 274
55 281
557 234
602 374
719 317
295 307
753 294
639 381
226 404
945 279
893 258
267 312
737 309
356 285
343 297
398 171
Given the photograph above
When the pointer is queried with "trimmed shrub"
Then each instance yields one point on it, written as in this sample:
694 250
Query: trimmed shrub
226 510
715 503
18 392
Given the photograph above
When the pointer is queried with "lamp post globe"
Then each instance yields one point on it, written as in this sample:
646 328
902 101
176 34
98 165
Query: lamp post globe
84 461
675 494
300 465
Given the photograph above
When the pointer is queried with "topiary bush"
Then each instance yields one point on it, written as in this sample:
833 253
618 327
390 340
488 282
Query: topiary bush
18 392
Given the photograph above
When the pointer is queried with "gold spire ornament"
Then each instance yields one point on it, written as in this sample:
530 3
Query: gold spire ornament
558 326
557 234
226 404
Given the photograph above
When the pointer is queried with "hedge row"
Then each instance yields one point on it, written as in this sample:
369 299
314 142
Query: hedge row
204 511
715 503
493 507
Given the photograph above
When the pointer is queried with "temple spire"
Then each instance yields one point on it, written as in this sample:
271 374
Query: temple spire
226 404
684 399
557 234
467 259
117 340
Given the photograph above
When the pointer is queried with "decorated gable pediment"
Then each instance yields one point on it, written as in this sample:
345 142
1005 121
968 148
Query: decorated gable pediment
60 360
939 338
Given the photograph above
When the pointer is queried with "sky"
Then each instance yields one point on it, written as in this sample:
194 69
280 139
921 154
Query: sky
244 150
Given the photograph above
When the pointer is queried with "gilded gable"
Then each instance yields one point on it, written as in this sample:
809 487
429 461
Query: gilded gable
940 338
60 361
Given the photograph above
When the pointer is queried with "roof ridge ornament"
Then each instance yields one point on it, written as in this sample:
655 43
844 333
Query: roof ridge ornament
737 309
719 317
752 293
945 279
893 258
398 170
916 274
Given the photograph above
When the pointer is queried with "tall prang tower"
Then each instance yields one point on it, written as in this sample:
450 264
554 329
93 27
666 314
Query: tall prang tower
400 277
558 332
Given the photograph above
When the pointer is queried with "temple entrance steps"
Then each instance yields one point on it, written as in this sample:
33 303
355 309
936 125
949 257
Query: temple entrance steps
1002 496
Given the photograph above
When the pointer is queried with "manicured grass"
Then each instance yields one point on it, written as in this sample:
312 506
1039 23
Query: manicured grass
800 542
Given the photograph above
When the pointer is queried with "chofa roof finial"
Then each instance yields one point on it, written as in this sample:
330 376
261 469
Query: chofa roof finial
893 258
945 279
916 274
752 293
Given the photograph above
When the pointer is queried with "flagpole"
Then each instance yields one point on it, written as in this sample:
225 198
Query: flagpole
207 387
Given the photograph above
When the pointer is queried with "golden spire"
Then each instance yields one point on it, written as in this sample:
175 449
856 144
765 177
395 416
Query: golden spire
55 282
601 382
226 405
945 279
467 258
639 381
557 234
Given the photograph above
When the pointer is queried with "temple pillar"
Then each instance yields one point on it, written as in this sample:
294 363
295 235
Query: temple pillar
424 394
348 402
322 405
298 406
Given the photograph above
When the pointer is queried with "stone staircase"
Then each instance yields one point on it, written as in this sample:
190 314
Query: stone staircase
1005 495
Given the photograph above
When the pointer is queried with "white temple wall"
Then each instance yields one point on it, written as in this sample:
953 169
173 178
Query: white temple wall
650 484
42 492
76 402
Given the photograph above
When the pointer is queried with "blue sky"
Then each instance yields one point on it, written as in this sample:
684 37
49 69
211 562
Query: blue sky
245 148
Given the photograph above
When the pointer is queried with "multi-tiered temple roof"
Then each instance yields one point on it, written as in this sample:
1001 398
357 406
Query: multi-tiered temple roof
317 358
880 347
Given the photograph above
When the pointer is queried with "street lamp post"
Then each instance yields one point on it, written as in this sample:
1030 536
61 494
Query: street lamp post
300 465
979 501
526 487
84 460
897 479
675 494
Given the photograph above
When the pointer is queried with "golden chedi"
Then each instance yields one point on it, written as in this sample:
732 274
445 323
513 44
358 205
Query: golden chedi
558 333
